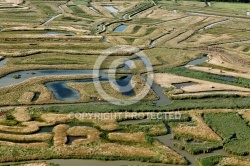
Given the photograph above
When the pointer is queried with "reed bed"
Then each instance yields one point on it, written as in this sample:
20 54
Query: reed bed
172 57
245 114
107 124
94 142
127 137
60 136
56 118
124 150
92 134
21 114
26 97
26 138
198 130
167 155
26 145
166 80
234 161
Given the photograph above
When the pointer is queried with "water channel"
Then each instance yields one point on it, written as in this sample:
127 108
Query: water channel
111 9
2 62
64 93
93 9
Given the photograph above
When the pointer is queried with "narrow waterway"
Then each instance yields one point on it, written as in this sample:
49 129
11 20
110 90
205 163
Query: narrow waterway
64 93
211 25
51 19
2 62
169 142
152 42
197 61
111 9
184 84
93 9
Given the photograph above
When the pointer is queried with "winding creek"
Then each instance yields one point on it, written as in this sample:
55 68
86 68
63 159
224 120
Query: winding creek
169 142
63 92
2 62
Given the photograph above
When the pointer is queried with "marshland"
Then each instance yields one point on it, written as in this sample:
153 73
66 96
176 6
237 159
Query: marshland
65 63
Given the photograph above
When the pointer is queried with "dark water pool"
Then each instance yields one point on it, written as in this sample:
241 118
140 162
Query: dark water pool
120 28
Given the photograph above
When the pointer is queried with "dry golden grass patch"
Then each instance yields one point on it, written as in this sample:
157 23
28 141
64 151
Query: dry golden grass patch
210 38
124 150
88 11
167 155
166 80
245 114
152 36
116 40
202 94
172 57
234 161
21 114
124 6
43 37
229 61
17 2
157 129
26 138
91 133
220 72
60 136
102 10
25 145
108 123
127 137
200 130
157 13
35 164
27 128
55 118
24 128
26 97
